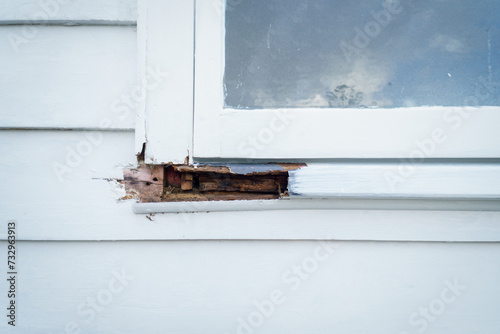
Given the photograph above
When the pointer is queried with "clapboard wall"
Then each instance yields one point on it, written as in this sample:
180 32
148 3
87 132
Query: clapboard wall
67 131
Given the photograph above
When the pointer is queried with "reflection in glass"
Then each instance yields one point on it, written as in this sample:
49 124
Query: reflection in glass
357 54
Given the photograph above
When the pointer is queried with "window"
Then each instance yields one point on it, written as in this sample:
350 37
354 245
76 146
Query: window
379 79
358 54
288 60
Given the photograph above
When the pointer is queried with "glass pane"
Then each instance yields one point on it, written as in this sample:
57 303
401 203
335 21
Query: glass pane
357 54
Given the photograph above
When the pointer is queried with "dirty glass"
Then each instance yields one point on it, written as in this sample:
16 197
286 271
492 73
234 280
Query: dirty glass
361 54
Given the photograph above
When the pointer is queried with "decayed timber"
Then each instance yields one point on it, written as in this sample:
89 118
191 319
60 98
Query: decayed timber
258 183
174 183
246 169
144 183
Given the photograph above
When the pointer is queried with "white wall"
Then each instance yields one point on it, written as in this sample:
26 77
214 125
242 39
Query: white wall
59 89
205 286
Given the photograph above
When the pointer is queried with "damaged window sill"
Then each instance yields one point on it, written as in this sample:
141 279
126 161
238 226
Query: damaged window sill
187 183
335 186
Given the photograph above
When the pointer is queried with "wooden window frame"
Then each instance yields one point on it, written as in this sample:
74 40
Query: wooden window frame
186 116
183 121
325 133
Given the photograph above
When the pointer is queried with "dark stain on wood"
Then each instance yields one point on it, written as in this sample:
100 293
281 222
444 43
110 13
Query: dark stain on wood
144 183
140 155
174 183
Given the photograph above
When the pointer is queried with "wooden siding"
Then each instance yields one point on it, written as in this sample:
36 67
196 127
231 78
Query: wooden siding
68 11
68 77
206 287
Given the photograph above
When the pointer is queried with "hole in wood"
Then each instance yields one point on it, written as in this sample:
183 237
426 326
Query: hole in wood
174 183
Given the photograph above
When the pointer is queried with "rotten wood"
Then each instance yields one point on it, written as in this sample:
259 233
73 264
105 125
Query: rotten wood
186 182
173 183
274 169
144 183
258 183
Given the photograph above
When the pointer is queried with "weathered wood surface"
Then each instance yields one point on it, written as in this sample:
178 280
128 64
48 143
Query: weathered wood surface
144 183
157 183
257 184
243 169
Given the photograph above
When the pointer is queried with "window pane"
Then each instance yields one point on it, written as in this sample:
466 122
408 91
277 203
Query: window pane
367 53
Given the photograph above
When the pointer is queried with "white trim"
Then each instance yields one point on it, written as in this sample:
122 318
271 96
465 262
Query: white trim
377 224
428 132
209 40
325 132
297 203
450 181
140 123
166 44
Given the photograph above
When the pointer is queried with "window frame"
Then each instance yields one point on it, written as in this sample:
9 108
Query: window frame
183 119
324 133
164 125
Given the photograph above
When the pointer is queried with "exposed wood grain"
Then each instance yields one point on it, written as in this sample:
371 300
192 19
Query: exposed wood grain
205 183
243 169
144 183
209 196
202 169
259 184
187 182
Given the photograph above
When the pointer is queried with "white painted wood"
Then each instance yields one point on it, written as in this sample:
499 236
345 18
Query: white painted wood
210 25
346 287
326 203
142 33
68 77
43 11
83 206
398 180
168 30
410 133
324 133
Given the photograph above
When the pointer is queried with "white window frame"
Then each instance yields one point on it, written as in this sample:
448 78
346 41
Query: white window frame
186 118
164 126
323 133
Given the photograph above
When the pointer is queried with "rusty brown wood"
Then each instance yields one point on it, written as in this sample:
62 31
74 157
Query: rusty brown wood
167 183
263 184
144 183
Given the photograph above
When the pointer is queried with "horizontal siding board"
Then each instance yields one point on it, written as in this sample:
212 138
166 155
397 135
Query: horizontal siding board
84 205
68 11
368 287
68 77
